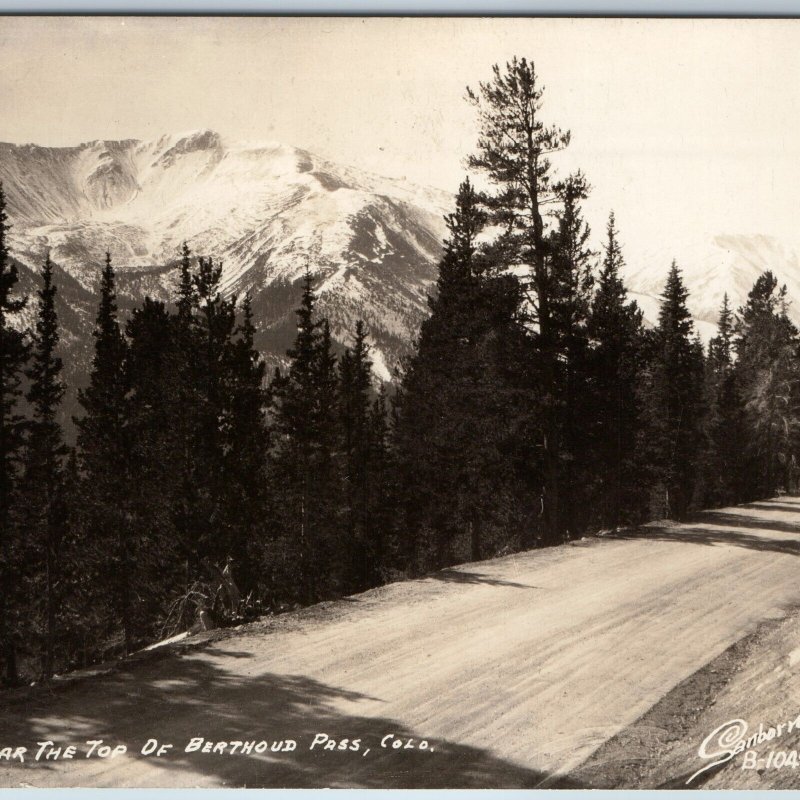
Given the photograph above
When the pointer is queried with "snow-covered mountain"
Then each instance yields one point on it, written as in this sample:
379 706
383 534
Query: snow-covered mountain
267 211
723 263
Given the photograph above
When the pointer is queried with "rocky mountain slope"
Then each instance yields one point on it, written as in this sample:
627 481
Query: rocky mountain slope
267 211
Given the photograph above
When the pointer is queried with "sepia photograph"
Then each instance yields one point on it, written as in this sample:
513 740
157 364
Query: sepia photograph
399 402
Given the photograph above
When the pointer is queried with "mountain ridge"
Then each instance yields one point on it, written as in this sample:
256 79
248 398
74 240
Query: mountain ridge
269 211
266 211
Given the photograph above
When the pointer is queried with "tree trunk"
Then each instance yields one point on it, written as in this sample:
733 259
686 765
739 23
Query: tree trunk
125 583
10 657
475 538
7 646
51 612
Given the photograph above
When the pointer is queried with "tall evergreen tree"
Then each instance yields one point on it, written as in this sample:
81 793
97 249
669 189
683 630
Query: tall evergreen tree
354 419
154 460
302 408
14 351
615 331
44 516
675 403
325 516
188 510
724 425
292 408
214 327
187 296
245 445
458 411
768 376
514 151
571 267
380 492
720 349
104 463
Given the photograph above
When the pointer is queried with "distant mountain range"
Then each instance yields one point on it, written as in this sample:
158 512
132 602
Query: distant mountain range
268 211
723 263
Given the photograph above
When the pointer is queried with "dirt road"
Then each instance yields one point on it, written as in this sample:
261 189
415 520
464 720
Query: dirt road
513 671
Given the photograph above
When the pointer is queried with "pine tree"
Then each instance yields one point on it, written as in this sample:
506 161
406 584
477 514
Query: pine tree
104 464
325 517
154 461
675 403
43 483
189 376
720 350
380 496
302 409
514 151
615 331
724 429
458 408
767 373
187 296
354 419
14 351
245 444
292 409
571 269
214 327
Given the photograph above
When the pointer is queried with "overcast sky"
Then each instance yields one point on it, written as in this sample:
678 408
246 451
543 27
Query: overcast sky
685 128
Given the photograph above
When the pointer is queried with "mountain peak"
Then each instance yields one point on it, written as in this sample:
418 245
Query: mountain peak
265 211
190 141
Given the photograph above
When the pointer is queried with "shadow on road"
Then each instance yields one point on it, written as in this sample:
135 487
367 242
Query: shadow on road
463 576
715 537
767 505
174 699
756 523
754 531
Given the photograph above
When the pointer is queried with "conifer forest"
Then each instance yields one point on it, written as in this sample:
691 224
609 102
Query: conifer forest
198 487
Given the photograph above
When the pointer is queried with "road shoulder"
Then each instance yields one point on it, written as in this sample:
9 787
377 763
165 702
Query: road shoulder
755 680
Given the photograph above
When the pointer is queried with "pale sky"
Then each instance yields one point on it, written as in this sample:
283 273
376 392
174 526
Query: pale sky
686 128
